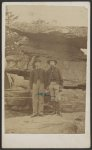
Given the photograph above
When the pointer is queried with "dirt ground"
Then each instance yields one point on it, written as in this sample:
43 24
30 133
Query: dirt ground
68 123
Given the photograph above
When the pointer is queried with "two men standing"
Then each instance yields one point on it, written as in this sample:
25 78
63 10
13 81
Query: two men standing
39 80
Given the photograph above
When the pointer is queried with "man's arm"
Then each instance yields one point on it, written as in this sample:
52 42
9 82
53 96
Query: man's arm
46 79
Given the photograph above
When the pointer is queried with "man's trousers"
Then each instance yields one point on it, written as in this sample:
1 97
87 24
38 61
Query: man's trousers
38 97
54 90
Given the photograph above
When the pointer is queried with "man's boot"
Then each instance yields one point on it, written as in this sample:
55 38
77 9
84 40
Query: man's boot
34 115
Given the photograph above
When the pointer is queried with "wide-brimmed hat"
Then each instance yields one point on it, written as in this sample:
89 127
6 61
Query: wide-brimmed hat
52 60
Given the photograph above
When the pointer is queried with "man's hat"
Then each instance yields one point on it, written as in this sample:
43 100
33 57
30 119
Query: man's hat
52 60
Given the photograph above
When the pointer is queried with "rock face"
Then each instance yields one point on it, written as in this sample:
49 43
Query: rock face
67 45
69 30
71 100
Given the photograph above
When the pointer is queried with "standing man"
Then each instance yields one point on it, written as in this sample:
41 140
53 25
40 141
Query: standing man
37 83
54 81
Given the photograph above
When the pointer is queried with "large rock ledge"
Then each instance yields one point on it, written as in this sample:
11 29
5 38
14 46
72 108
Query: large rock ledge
68 123
72 100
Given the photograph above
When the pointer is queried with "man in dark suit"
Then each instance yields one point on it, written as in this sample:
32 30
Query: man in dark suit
37 83
54 81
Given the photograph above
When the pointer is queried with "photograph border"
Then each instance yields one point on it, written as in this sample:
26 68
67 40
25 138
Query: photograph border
90 69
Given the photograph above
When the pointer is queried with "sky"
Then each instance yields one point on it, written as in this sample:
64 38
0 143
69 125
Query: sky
56 15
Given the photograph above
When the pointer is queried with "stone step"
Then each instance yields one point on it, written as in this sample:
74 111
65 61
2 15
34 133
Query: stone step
72 100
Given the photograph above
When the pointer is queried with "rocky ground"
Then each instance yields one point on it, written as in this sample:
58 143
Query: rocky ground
72 120
68 123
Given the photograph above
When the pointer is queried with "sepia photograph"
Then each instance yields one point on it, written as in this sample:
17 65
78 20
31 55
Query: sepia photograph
45 55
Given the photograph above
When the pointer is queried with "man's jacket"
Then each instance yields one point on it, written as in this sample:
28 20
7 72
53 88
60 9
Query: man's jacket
53 74
37 74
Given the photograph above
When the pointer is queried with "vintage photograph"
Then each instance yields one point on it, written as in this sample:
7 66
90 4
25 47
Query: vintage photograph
45 69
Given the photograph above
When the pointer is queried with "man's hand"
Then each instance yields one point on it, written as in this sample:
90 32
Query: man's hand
47 88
